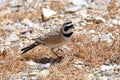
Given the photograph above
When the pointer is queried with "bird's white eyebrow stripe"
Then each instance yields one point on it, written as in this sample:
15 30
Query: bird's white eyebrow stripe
70 24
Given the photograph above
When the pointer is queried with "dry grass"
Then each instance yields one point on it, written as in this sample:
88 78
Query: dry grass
96 53
15 15
10 65
93 54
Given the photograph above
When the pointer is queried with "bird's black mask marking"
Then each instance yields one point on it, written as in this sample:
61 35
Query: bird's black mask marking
68 27
68 34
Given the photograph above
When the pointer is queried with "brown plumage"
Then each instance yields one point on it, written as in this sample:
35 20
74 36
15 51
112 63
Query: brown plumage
53 41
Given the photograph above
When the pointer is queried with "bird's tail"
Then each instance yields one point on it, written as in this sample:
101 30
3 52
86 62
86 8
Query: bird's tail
24 50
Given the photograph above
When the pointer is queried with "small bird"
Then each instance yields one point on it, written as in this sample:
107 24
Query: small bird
54 40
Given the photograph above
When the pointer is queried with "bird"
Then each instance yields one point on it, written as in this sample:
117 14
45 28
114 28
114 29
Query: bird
55 40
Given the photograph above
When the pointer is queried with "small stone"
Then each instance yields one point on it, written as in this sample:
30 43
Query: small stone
33 74
106 67
17 24
7 43
79 2
90 77
12 37
29 1
102 78
47 13
73 9
77 5
22 73
100 20
91 31
16 3
7 21
21 45
42 66
38 27
118 22
95 38
109 41
1 48
105 37
8 27
31 63
114 21
44 72
34 78
5 12
78 64
80 44
27 23
61 16
3 5
64 47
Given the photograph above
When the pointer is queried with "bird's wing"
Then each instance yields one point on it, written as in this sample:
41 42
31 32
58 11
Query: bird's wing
51 34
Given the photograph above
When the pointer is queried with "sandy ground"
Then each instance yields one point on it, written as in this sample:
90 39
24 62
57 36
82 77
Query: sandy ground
88 45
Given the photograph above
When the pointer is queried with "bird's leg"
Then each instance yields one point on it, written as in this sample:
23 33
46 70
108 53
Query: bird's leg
60 49
52 49
59 58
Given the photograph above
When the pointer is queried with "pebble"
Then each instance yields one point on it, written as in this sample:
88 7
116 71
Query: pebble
38 27
1 48
48 13
77 5
35 66
80 44
33 78
27 23
105 37
5 12
118 22
109 41
8 28
100 19
91 31
64 47
95 38
106 67
44 72
73 8
31 63
3 5
79 2
103 78
29 1
16 3
20 45
90 77
42 66
78 64
7 43
115 21
34 73
12 37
